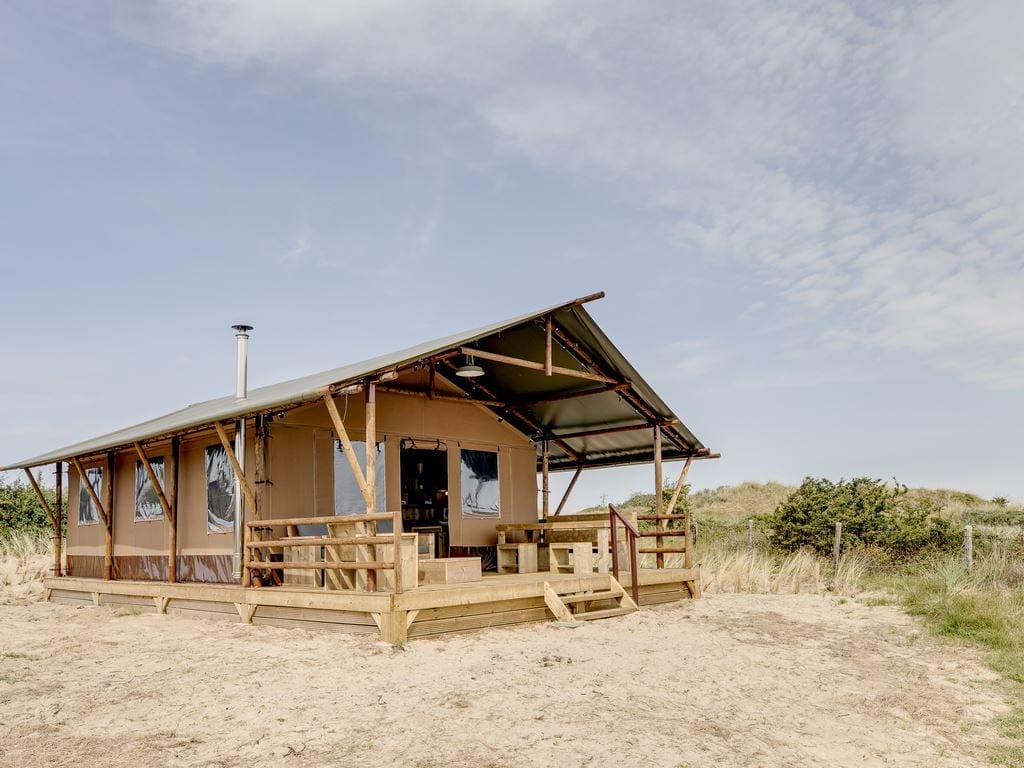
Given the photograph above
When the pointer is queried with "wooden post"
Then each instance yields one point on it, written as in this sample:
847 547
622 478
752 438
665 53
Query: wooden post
659 502
837 545
565 496
58 521
346 445
260 459
969 548
172 500
243 481
247 492
371 447
165 504
371 481
548 326
54 519
108 498
670 509
545 488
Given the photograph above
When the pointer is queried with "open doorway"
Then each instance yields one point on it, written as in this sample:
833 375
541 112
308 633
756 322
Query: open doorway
424 474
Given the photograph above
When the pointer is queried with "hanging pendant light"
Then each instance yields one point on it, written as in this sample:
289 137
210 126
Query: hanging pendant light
470 370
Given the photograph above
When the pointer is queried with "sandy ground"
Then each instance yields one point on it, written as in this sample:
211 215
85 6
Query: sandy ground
731 680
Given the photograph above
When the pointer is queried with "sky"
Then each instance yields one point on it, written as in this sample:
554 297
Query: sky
807 217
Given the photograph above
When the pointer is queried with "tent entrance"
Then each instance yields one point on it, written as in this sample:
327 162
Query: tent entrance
424 475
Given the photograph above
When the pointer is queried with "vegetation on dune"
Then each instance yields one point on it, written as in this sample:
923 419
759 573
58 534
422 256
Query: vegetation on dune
903 543
20 509
871 513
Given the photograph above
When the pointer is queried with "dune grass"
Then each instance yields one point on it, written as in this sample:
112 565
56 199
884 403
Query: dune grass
984 608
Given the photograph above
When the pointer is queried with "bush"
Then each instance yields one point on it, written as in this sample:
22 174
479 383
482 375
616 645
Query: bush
872 514
20 509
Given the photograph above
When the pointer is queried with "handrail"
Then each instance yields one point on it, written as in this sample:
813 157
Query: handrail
320 520
394 538
614 518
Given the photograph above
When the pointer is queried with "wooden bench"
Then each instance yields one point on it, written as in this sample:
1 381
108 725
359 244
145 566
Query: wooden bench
580 557
450 570
517 558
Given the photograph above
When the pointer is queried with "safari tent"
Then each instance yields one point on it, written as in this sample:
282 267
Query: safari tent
407 494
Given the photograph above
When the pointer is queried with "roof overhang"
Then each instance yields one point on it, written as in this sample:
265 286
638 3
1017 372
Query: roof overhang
590 405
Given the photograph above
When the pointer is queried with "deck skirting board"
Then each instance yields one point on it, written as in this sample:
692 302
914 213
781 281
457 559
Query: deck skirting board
432 610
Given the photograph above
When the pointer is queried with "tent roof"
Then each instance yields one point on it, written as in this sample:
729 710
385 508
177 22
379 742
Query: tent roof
579 344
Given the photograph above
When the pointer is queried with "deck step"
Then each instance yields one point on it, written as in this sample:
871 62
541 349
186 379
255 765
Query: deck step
591 597
661 550
661 517
606 613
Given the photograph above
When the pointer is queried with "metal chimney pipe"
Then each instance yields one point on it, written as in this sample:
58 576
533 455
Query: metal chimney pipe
242 361
241 392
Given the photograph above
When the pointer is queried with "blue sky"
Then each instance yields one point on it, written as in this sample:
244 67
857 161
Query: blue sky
806 216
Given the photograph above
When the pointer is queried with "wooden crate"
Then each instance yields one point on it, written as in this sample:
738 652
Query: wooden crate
450 570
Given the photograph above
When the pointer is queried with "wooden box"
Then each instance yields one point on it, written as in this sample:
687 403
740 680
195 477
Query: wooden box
450 570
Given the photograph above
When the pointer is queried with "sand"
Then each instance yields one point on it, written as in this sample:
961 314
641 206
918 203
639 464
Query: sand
731 680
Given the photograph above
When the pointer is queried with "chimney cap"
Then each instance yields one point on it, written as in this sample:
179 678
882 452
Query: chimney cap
242 328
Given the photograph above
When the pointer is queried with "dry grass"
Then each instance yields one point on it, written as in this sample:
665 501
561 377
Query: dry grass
25 557
742 571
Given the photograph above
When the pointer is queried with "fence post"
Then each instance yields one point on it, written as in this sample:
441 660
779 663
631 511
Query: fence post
969 547
837 545
750 536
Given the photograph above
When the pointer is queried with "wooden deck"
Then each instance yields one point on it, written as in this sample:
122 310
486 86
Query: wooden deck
431 609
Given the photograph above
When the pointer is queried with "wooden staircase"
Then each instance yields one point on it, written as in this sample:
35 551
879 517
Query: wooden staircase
589 605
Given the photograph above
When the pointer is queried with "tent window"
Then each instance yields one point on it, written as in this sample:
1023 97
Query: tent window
348 499
147 505
480 489
87 512
220 491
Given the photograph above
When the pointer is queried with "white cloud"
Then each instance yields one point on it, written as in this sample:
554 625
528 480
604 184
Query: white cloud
864 158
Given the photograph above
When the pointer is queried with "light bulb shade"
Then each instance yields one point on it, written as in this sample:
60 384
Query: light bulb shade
470 370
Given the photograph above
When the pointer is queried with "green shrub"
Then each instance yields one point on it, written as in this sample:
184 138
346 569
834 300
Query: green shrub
20 509
872 515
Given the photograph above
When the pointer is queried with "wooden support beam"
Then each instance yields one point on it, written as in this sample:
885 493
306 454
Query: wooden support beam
659 501
558 397
430 395
548 367
516 412
565 496
371 482
371 448
243 482
171 473
679 485
53 516
89 489
108 498
42 498
260 460
346 445
545 481
58 569
608 430
157 486
531 365
585 358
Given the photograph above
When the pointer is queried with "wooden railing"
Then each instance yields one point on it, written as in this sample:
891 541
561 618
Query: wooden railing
615 518
257 547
